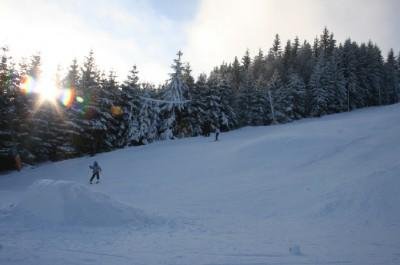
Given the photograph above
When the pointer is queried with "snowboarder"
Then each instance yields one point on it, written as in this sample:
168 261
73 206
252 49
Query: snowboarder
96 172
217 131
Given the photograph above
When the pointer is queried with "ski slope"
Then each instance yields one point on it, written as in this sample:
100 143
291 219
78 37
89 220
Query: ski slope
316 191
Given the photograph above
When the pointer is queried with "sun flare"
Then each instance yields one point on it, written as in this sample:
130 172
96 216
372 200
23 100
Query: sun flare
47 90
45 87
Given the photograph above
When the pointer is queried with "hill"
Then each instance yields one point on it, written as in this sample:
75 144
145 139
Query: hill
316 191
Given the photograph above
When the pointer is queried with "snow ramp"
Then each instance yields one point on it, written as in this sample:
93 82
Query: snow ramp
71 203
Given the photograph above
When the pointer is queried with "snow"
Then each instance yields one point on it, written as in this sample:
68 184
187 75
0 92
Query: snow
316 191
70 203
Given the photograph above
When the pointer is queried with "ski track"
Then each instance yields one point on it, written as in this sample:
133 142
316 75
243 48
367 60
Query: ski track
328 186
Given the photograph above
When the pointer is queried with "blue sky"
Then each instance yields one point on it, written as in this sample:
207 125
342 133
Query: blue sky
179 10
148 33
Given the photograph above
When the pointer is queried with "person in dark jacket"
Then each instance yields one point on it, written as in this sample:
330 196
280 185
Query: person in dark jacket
96 169
217 131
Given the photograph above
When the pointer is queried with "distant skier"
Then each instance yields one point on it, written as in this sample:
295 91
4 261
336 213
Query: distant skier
96 169
217 131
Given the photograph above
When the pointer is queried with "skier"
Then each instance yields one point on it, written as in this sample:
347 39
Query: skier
96 172
217 131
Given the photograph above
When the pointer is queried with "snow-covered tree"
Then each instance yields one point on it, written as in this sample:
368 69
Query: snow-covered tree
130 102
175 103
148 118
8 88
392 79
276 100
296 90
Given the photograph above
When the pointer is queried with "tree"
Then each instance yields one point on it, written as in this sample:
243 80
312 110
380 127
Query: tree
276 100
276 50
130 103
228 117
349 60
258 66
8 88
392 79
326 43
319 85
93 124
258 108
296 90
148 118
200 104
244 100
173 109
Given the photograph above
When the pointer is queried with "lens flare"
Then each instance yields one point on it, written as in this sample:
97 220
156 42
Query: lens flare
67 97
27 85
116 111
79 99
44 87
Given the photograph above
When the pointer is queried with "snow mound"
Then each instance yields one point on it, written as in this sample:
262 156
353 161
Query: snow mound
71 203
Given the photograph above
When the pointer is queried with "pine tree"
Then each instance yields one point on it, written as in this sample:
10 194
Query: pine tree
391 81
236 75
376 73
41 120
287 60
276 50
258 108
295 49
94 123
244 100
326 43
130 103
112 111
148 118
213 101
228 117
200 104
70 124
350 63
246 61
258 66
8 87
297 94
305 62
192 112
319 85
173 110
338 100
276 100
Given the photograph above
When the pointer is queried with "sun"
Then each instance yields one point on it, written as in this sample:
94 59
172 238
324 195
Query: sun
47 89
47 92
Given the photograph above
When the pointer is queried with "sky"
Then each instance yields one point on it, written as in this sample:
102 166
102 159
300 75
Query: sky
148 33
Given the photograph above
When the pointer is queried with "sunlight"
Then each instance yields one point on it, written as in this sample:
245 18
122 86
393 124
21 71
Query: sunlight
47 89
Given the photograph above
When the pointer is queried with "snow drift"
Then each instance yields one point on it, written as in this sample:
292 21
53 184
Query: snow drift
71 203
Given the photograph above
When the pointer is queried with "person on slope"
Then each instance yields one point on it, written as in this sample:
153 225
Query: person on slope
96 169
217 131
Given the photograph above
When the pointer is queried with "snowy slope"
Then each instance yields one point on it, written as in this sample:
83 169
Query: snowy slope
317 191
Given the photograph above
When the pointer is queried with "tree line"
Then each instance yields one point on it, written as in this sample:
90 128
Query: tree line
288 82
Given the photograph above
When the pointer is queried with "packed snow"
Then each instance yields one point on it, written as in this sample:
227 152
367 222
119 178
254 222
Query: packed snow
70 203
316 191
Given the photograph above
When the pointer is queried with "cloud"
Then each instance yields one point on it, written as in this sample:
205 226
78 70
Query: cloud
145 33
64 30
225 28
